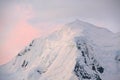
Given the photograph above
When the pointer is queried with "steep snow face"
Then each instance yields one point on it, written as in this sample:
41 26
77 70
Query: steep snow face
78 51
100 36
87 67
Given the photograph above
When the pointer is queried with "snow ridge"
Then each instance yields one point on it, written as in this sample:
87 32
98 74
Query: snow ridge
78 51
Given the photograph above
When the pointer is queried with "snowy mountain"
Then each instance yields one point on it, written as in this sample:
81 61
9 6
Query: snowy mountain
78 51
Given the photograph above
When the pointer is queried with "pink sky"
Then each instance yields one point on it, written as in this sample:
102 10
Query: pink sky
18 35
18 38
19 32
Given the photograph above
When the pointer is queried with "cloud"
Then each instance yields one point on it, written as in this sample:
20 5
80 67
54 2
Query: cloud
19 37
17 32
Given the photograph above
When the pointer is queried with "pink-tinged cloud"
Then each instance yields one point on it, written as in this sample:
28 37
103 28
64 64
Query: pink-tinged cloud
19 37
18 34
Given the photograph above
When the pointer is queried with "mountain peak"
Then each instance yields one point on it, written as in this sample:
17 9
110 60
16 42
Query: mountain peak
87 49
77 21
80 25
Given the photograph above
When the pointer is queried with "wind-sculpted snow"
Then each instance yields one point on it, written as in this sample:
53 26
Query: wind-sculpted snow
87 67
78 51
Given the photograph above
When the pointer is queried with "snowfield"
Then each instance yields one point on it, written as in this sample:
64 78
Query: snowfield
78 51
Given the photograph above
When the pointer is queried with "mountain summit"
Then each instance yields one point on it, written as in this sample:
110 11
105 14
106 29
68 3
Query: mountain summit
78 51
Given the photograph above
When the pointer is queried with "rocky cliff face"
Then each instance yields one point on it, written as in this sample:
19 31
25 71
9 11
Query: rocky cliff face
78 51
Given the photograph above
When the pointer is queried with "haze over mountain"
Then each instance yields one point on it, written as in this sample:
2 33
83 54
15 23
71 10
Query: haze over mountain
77 51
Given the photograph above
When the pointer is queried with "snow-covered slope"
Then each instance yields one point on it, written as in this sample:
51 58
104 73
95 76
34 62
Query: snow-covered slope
78 51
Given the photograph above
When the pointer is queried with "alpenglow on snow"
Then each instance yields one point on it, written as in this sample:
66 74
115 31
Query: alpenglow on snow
78 51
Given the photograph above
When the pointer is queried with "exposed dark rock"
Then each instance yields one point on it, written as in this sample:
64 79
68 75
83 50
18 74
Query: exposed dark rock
83 53
85 60
80 72
97 77
23 52
19 54
117 58
93 68
89 61
28 49
39 71
25 63
79 47
100 69
31 44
